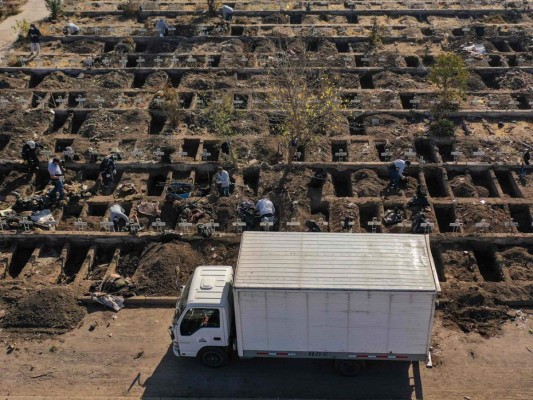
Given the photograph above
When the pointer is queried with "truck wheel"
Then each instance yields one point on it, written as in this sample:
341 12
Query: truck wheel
348 367
213 357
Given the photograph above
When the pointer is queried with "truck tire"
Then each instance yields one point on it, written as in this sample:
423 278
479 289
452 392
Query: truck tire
213 357
348 367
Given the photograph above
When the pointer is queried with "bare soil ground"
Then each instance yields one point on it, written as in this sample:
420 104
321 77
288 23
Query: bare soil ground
72 365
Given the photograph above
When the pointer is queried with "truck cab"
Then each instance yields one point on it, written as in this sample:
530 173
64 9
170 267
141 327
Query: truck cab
203 320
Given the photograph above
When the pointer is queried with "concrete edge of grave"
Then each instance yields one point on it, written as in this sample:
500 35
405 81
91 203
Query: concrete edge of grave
137 301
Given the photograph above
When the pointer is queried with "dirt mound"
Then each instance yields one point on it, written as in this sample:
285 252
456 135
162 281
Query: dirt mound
114 80
341 212
83 47
475 82
157 80
481 308
103 124
53 307
519 263
367 183
25 122
471 214
515 80
128 264
162 266
59 80
13 80
462 186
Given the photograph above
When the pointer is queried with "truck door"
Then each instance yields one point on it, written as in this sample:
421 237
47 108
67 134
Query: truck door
199 328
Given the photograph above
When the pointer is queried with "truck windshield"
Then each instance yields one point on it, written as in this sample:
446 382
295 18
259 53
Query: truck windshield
182 302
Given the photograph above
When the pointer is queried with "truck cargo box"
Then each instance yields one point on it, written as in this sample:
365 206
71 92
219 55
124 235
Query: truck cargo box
334 295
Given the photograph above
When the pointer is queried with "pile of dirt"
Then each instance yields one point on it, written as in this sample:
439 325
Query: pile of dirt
13 80
32 123
83 47
388 59
59 80
49 307
481 308
276 18
515 80
367 183
164 266
104 124
341 212
128 264
114 80
471 214
459 266
475 82
519 263
156 80
462 186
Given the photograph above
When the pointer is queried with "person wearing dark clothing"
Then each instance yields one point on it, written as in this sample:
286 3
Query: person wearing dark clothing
527 157
108 171
35 38
29 154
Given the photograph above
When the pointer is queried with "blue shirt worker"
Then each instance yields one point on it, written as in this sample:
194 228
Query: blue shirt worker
227 12
56 179
223 182
395 172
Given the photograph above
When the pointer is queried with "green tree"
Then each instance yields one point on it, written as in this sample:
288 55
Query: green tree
307 103
219 116
55 7
450 75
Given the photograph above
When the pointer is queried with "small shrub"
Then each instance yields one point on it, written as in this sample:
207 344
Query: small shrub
55 7
442 127
130 9
21 28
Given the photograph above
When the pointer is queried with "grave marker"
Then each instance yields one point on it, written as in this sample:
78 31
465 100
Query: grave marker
456 226
81 225
26 223
159 225
107 225
205 155
374 224
456 155
341 155
185 226
100 101
482 225
511 224
80 100
239 225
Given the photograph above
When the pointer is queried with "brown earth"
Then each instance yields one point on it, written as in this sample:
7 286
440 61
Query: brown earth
45 307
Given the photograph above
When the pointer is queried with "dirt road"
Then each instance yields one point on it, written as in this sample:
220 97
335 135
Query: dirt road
32 10
130 357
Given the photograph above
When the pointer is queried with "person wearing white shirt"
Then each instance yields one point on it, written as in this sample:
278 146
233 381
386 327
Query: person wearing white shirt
71 29
56 179
266 209
223 182
118 217
395 172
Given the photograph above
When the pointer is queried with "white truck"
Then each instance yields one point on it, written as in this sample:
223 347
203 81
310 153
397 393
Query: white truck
339 296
